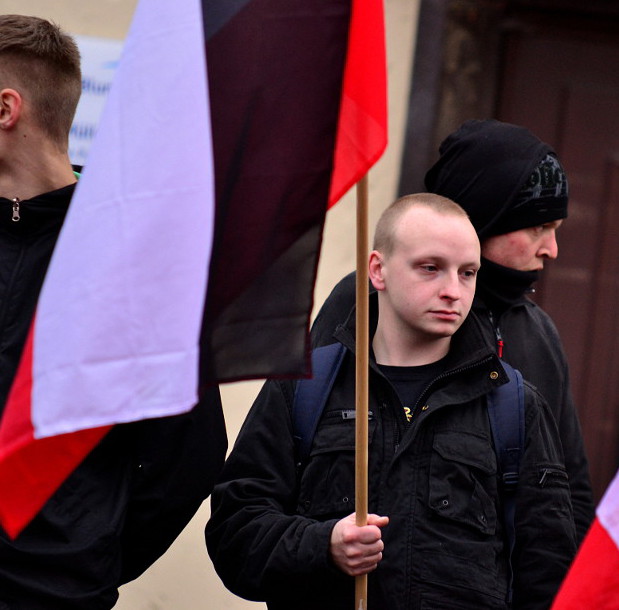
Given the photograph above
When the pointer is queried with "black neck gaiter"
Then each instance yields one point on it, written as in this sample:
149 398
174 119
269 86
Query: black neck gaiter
499 286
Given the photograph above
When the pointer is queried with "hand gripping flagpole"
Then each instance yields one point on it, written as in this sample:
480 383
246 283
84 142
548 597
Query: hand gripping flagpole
361 380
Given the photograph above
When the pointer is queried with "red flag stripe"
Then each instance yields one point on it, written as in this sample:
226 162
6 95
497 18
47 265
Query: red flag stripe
137 238
593 579
31 468
362 126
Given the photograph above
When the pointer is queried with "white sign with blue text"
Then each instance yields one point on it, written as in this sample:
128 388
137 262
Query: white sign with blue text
100 57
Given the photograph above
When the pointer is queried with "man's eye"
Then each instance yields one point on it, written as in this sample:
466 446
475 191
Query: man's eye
429 268
470 273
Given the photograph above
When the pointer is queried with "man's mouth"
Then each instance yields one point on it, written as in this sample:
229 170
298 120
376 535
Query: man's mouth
446 314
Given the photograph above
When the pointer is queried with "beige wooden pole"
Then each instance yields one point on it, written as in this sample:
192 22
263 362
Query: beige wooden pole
361 392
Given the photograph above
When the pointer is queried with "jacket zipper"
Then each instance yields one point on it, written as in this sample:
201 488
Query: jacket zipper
548 473
423 394
16 217
497 333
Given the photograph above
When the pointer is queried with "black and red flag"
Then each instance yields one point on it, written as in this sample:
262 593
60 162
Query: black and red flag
298 106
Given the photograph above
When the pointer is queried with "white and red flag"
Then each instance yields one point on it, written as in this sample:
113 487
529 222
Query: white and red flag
190 249
593 580
114 337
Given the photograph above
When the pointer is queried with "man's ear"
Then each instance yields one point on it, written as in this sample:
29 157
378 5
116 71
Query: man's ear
375 271
11 103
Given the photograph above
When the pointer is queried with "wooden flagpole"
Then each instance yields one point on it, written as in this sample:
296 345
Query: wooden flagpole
361 383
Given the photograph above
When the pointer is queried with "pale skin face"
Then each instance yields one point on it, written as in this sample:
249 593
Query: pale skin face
426 286
525 249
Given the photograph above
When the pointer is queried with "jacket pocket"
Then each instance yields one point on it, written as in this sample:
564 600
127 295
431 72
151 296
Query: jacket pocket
327 483
552 476
463 480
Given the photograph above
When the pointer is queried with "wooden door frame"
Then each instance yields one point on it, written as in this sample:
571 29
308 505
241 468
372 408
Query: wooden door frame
457 66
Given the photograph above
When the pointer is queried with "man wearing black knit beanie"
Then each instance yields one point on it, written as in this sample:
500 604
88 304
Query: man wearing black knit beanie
515 191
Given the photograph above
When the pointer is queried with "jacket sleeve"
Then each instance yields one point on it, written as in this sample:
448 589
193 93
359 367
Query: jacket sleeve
569 428
545 529
260 548
177 460
536 349
577 464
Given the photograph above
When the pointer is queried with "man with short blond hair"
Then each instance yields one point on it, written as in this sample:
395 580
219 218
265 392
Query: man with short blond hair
388 221
282 529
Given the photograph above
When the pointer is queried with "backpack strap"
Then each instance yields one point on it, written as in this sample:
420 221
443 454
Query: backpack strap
506 412
310 396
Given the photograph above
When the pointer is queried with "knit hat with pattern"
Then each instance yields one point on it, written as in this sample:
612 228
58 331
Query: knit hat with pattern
502 175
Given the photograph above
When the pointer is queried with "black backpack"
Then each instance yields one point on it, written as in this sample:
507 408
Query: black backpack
505 410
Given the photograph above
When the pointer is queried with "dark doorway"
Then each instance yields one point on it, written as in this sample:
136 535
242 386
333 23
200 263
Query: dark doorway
554 68
560 79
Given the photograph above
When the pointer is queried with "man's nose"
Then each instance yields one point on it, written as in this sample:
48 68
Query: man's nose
549 247
451 287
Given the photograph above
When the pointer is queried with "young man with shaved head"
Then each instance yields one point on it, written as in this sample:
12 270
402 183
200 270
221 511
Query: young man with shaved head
435 538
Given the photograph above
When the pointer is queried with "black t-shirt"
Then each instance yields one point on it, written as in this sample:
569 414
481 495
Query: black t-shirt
409 382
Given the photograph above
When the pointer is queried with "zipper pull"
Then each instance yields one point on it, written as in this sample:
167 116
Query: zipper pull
16 217
499 337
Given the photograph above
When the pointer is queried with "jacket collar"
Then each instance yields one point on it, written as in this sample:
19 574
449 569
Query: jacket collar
472 365
39 213
469 344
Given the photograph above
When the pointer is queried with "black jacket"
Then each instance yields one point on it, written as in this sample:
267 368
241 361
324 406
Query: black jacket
436 479
531 344
136 491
